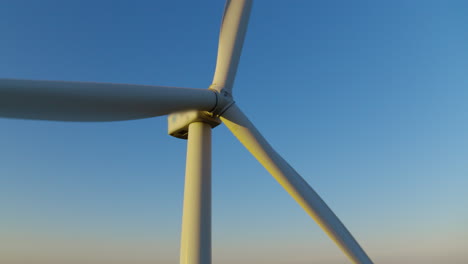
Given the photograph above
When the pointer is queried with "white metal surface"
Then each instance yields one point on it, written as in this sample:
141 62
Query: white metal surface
87 101
231 40
178 123
195 245
294 184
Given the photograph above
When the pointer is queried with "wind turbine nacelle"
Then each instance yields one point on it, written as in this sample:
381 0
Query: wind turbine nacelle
178 123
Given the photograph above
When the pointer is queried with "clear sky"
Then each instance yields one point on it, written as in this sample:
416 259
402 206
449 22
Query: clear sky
366 99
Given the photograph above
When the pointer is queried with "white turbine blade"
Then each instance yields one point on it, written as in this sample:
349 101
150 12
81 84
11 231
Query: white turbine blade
84 101
231 39
294 184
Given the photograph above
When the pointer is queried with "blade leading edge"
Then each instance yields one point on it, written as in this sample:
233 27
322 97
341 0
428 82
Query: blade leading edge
231 39
86 101
294 184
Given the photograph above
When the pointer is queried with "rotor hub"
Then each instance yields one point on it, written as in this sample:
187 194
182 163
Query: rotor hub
179 122
223 101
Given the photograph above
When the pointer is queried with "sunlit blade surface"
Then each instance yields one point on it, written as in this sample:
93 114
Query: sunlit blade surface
294 184
231 39
82 101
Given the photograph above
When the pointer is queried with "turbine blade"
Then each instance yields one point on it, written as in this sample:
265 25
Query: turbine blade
231 39
294 184
85 101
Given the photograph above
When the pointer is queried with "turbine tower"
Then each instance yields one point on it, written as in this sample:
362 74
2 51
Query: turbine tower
192 115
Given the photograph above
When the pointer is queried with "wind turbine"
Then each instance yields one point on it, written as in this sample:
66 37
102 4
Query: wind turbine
192 115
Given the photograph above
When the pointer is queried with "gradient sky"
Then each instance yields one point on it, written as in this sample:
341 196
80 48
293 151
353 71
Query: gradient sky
366 99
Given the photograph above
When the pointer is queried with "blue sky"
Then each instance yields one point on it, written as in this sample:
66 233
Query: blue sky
366 99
